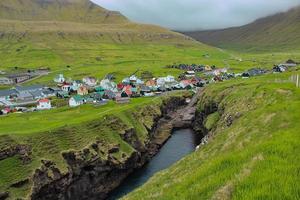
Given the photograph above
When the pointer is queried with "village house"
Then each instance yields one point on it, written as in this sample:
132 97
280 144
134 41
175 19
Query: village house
27 92
90 81
151 83
59 78
186 84
128 90
14 79
218 72
62 94
6 111
8 94
19 78
76 101
6 81
162 81
66 87
126 81
44 104
289 63
144 89
120 86
190 74
134 80
208 68
279 69
108 85
122 97
76 85
82 91
108 94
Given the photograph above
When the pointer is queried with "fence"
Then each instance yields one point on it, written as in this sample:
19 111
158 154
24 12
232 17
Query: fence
295 79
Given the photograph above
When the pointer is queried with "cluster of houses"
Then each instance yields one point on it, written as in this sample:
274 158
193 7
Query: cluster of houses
284 66
90 90
192 67
26 96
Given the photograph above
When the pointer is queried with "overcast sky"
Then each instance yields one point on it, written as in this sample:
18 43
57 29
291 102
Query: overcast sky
197 14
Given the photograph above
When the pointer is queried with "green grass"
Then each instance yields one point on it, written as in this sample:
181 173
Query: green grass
254 158
211 120
28 123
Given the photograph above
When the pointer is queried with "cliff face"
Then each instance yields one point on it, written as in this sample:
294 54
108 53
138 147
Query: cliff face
99 168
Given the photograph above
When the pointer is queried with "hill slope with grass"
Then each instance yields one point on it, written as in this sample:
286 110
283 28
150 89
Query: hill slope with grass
253 147
58 10
34 18
90 40
280 32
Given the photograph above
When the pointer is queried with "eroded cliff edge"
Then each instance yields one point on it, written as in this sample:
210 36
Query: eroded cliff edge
100 167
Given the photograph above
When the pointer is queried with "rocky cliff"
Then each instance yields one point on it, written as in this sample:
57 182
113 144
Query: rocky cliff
96 170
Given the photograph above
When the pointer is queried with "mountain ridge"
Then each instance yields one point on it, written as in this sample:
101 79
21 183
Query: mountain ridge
276 32
84 11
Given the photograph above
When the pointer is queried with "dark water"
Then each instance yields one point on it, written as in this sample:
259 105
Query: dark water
180 144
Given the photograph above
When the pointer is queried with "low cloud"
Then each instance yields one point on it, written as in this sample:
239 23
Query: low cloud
197 14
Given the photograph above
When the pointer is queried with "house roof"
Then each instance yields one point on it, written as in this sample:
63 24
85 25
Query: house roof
78 98
29 88
18 75
44 101
145 88
5 93
37 93
25 95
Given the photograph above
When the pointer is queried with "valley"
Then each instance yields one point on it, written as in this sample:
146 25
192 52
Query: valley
248 125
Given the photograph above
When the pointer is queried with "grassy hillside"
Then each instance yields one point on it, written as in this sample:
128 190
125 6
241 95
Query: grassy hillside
280 32
90 39
58 10
253 150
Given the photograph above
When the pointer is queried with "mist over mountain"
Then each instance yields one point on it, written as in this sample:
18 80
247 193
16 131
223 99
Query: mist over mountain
277 32
191 15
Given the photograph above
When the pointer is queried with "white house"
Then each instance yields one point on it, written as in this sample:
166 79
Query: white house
165 80
133 78
59 78
44 104
76 85
90 81
108 85
190 74
76 101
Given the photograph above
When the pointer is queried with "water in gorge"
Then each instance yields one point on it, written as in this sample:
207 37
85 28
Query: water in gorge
181 143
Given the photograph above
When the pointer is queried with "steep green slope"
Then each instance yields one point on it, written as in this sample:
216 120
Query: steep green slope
280 32
58 10
253 147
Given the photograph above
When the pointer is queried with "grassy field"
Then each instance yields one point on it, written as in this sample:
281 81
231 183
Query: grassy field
256 157
89 58
98 59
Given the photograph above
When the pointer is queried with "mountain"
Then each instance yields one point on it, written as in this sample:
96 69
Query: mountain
58 10
273 33
56 33
21 19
